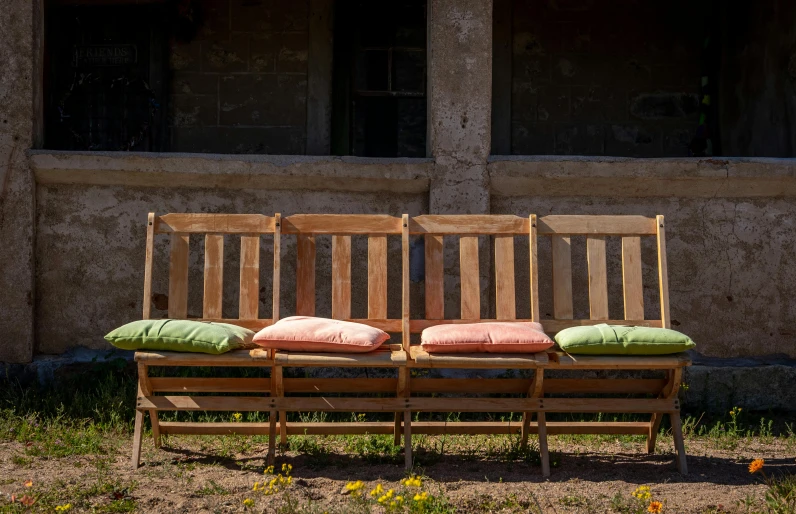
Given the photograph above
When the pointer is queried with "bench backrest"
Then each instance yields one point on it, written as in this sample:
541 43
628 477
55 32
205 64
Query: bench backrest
213 227
341 227
468 228
631 229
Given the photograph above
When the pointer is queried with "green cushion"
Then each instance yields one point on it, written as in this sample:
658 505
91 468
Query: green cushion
178 335
605 339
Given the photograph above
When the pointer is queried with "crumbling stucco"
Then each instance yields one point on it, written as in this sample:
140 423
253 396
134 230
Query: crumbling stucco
16 182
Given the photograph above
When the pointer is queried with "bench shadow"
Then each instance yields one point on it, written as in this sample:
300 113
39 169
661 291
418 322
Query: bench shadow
631 467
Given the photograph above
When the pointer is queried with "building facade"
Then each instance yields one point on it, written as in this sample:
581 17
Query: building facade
112 109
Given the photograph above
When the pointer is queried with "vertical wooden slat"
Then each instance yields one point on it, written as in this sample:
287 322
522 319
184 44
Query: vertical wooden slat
533 255
470 277
505 304
631 278
277 266
150 251
178 276
405 335
598 277
434 278
562 277
248 307
305 276
341 277
214 276
663 275
377 277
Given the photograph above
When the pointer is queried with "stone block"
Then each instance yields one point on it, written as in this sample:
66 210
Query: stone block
270 15
632 140
264 100
215 19
226 55
264 49
190 83
193 110
532 138
579 139
186 56
292 52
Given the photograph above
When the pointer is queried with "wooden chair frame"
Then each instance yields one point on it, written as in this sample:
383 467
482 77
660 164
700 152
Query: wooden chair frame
377 228
504 229
180 227
560 230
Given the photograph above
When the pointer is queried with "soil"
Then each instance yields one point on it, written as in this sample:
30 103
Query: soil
190 474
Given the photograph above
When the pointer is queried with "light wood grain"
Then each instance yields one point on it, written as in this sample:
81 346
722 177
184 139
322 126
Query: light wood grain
377 277
562 360
663 274
533 253
469 224
178 276
597 225
215 223
235 358
209 385
275 294
341 224
561 247
341 277
505 303
631 278
423 359
434 277
598 278
469 277
305 275
214 276
249 303
148 264
405 309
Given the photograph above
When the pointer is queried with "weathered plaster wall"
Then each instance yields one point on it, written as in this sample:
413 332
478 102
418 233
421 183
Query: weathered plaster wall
731 278
90 259
240 85
604 78
16 181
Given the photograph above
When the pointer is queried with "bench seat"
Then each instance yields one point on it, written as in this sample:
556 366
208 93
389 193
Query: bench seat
387 356
241 358
562 360
423 359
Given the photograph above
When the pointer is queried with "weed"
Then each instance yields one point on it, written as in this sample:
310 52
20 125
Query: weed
212 488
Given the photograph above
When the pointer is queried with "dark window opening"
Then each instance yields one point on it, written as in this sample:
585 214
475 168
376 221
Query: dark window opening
380 79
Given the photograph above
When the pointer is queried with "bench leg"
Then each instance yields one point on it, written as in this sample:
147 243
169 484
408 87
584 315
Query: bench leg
283 428
408 439
526 425
677 431
543 453
153 417
652 436
137 438
397 429
272 438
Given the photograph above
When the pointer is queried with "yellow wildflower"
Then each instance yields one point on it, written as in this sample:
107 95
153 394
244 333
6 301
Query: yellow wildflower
413 481
63 508
642 492
286 469
248 502
421 497
655 507
756 465
355 487
237 416
256 486
29 483
377 490
269 470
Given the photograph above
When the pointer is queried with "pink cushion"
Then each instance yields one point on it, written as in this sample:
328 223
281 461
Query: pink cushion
491 337
308 334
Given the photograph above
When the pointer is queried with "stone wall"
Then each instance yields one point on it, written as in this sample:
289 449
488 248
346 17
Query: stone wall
240 85
605 78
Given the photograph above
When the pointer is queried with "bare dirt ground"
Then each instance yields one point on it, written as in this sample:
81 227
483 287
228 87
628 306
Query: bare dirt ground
192 474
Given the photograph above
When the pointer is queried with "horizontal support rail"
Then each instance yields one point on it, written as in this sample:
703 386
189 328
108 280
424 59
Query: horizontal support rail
342 224
210 385
215 224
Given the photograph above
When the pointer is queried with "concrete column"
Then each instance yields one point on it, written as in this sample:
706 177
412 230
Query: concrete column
460 100
17 187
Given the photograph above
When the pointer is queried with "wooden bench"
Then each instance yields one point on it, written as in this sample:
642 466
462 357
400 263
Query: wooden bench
632 230
248 228
302 394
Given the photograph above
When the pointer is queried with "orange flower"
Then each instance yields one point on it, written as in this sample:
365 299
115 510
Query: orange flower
756 465
655 507
29 483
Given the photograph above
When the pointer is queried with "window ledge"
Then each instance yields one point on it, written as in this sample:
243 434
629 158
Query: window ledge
274 172
628 177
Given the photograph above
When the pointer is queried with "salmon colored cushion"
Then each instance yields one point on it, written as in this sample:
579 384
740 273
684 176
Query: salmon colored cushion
308 334
491 337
